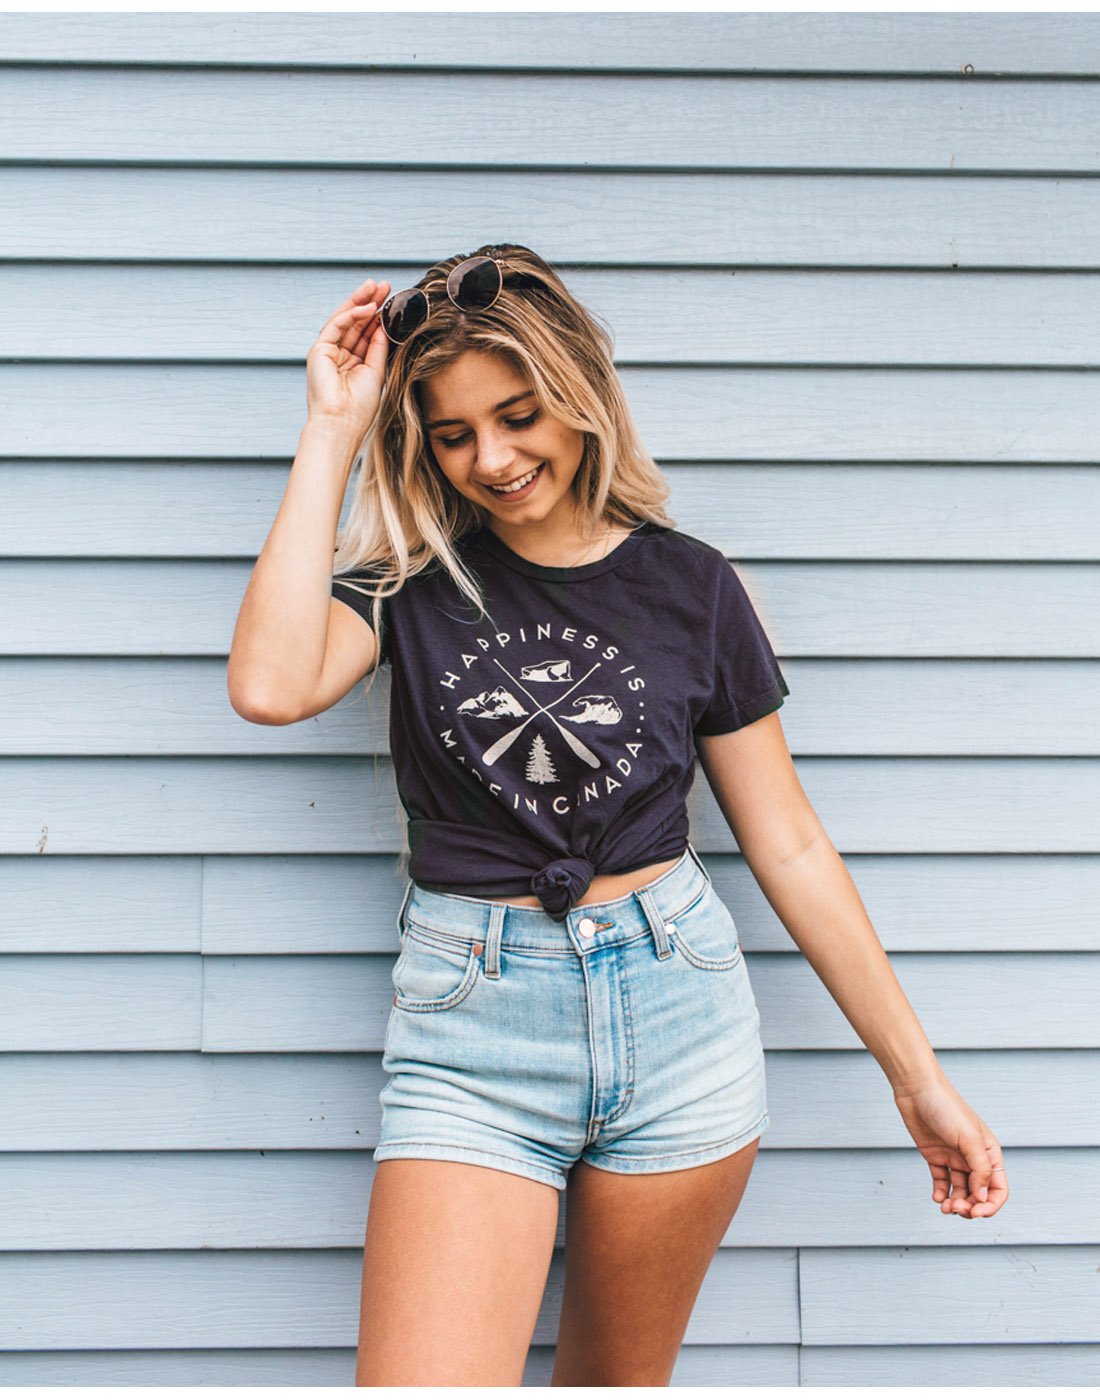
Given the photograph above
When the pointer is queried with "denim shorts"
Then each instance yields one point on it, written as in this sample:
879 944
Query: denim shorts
627 1036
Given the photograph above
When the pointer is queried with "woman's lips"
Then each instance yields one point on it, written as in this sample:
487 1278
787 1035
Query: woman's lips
524 491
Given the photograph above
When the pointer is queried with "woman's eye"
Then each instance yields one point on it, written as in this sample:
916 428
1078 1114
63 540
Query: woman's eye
511 422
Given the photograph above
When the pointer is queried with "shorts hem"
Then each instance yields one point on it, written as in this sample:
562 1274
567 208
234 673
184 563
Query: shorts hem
448 1152
628 1166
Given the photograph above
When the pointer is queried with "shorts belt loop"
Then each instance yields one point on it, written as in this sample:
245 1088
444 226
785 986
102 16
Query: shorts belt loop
492 940
656 923
409 887
696 858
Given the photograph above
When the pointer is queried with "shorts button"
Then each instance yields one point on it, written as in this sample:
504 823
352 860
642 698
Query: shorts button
586 928
670 927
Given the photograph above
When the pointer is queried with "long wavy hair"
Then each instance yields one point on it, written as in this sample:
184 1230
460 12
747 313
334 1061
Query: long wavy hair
405 516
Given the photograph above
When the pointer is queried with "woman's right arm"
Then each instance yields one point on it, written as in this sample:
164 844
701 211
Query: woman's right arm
296 649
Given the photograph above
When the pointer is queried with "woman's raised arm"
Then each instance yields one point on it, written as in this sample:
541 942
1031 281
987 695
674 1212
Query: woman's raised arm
279 660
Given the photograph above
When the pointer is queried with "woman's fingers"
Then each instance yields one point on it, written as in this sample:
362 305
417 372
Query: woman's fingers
368 296
347 328
978 1149
957 1183
364 292
998 1193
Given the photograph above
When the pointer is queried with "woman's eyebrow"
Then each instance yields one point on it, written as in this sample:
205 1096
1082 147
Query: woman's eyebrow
444 422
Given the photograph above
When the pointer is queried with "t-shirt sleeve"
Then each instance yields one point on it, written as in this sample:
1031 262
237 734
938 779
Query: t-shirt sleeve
746 682
363 603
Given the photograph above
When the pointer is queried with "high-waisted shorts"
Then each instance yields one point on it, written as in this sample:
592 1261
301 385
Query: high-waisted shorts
627 1036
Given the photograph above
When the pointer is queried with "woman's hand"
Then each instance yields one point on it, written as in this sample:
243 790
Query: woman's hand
964 1156
346 364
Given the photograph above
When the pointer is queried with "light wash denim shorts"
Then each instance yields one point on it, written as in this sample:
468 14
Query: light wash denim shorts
627 1036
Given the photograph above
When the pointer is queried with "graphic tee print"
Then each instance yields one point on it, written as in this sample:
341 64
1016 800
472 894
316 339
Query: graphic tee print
545 713
554 740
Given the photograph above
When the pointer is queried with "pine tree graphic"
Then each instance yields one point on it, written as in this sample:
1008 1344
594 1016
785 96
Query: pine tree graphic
540 766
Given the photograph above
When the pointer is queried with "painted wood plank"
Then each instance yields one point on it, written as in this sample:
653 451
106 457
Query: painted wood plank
948 903
177 1101
855 1198
967 44
149 904
318 1200
1007 1365
659 218
964 1001
816 511
818 609
738 315
197 1366
335 1366
753 415
309 1297
266 904
99 705
1015 1365
847 1100
221 116
697 1365
325 806
921 1296
176 705
81 1001
293 1003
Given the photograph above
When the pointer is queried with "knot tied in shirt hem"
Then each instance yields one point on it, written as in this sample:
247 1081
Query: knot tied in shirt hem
560 884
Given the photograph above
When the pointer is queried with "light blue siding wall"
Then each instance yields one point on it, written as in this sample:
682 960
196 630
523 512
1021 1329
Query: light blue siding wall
851 265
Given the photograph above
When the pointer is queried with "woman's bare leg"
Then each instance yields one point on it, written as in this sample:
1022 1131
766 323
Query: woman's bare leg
637 1249
454 1270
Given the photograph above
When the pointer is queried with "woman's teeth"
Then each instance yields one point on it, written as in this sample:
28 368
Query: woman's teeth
516 485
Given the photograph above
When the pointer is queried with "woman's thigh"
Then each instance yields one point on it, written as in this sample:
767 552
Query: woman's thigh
637 1250
454 1270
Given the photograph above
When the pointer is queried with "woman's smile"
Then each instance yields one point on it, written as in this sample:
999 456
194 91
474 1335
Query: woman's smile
520 488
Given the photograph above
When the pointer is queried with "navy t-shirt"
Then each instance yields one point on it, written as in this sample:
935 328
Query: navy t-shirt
556 741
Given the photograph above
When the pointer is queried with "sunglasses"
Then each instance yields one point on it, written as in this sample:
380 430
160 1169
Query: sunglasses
473 285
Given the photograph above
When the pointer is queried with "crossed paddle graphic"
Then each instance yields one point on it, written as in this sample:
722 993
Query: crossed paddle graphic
582 750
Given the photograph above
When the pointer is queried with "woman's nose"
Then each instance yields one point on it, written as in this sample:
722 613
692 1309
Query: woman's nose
493 452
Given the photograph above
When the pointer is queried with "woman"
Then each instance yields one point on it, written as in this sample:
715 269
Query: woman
572 1008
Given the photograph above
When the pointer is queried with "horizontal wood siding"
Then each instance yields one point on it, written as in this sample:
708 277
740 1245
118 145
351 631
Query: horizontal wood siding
850 264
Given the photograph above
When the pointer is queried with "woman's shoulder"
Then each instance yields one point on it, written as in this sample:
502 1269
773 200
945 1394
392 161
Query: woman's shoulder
694 555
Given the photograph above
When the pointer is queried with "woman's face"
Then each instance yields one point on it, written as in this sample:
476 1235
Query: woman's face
487 430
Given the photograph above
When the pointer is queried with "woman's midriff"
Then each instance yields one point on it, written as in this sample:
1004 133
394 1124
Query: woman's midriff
603 887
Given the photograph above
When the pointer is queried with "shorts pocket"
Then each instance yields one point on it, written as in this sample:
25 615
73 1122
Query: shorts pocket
433 972
707 936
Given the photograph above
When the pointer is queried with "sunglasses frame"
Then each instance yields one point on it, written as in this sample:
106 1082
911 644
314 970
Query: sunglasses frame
425 294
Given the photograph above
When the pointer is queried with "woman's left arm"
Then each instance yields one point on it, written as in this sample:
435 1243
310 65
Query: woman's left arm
808 885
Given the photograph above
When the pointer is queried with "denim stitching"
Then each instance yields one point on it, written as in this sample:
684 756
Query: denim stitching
474 1153
628 1095
445 1003
693 1152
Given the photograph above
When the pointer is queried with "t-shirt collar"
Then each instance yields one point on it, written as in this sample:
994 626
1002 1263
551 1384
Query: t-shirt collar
494 545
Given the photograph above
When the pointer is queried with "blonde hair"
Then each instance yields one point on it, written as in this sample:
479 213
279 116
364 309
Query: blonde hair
405 516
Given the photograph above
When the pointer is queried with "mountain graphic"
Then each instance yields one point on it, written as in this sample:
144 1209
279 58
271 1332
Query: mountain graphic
547 671
593 709
493 704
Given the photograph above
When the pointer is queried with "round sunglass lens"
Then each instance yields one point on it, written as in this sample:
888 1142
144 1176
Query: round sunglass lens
475 283
403 313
